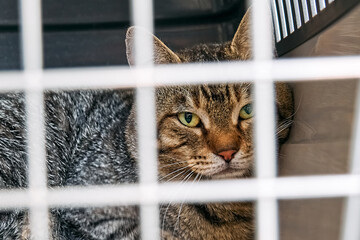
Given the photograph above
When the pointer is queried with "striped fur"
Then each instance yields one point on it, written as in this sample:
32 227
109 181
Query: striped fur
191 154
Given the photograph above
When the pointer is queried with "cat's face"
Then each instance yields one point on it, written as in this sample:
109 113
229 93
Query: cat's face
206 131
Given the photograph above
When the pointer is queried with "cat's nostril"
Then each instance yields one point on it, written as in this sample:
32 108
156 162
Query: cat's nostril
227 155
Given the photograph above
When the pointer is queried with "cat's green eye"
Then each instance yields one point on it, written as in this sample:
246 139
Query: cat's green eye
189 119
246 112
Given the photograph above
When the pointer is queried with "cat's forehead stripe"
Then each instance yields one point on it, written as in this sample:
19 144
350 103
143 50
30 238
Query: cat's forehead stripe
205 92
214 102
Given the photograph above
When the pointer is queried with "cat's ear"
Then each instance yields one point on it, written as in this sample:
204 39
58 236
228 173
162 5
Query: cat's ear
162 54
241 43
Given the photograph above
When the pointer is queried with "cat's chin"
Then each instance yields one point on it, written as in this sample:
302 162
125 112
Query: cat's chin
229 173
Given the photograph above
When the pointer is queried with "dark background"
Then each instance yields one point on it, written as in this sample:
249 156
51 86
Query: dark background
92 32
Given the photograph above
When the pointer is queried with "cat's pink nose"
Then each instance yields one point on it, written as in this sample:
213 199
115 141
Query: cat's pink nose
227 155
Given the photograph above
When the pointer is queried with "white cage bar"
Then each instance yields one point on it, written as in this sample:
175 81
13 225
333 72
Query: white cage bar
327 186
31 29
265 153
351 216
265 189
317 69
142 12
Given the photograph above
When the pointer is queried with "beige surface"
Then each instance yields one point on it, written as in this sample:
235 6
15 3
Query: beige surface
320 138
310 219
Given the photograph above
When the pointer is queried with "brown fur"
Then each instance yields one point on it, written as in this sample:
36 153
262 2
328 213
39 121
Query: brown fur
192 153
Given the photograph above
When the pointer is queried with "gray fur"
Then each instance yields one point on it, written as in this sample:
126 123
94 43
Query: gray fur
85 145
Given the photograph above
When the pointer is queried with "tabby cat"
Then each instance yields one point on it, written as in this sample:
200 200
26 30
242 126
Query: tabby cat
204 132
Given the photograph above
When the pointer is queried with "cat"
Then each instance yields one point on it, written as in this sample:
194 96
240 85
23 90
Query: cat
204 132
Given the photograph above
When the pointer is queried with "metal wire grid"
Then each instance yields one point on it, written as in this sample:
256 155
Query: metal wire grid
288 19
266 188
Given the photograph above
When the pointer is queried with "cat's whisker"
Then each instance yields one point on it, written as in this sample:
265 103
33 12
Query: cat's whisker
173 172
170 203
200 176
287 125
297 108
171 164
181 173
289 121
186 179
285 122
178 189
280 131
187 173
283 126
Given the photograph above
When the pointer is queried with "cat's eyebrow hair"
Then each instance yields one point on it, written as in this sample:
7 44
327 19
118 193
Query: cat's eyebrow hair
232 93
205 91
195 99
238 91
192 100
246 88
197 94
